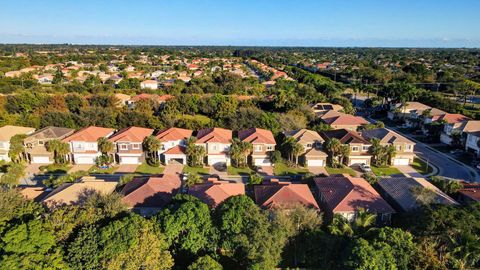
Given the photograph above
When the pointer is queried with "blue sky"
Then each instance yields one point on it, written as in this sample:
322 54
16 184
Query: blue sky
386 23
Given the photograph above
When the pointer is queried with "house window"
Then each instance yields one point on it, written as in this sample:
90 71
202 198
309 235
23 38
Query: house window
408 147
365 147
258 148
269 148
214 148
309 145
355 148
399 147
163 147
123 146
40 142
136 146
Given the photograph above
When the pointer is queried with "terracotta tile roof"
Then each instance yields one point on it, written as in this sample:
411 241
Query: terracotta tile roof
280 194
337 118
214 192
453 118
471 191
89 134
304 136
399 189
131 134
49 133
152 192
217 135
177 150
174 134
348 194
33 193
8 131
256 136
385 136
345 136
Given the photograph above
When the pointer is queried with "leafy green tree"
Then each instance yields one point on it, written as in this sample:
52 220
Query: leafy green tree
193 179
363 255
60 150
239 152
255 179
333 147
11 178
14 206
17 150
195 153
205 263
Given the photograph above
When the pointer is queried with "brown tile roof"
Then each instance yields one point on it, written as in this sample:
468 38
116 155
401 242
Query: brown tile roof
33 193
348 194
89 134
8 131
337 118
214 192
471 191
217 135
345 136
385 136
131 134
49 133
174 134
279 194
256 136
152 192
177 150
304 136
453 118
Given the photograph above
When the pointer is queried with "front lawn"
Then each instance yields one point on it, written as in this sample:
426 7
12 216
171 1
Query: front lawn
144 168
345 170
98 170
55 168
420 166
239 171
281 168
385 171
195 170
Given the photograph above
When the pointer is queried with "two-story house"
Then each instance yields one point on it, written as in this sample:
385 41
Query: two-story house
459 128
84 146
338 120
407 111
35 143
129 144
359 147
6 133
217 142
321 108
173 145
403 146
263 144
472 144
312 142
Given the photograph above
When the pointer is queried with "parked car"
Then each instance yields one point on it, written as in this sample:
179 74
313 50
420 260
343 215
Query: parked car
365 168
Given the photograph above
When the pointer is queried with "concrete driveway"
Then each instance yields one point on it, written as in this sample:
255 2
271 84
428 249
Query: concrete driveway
266 170
127 168
409 171
33 168
173 169
317 170
80 167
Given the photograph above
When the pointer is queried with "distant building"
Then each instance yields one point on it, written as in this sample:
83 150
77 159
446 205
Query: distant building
213 192
149 84
276 194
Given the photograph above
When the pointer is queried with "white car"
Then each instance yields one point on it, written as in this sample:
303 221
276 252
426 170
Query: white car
365 168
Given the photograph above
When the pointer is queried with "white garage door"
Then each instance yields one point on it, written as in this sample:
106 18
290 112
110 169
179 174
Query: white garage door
215 160
358 161
315 163
40 160
84 160
262 162
400 161
129 160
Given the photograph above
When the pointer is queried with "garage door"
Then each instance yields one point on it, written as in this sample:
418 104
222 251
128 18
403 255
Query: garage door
401 161
213 161
84 160
314 163
358 161
40 160
129 160
176 161
262 162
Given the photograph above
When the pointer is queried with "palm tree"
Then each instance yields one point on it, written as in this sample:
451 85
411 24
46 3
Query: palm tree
333 148
288 146
376 151
344 153
390 152
59 149
105 147
195 153
297 149
239 152
151 145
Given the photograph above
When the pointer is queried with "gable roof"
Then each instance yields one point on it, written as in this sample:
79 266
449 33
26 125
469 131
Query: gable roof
131 134
174 134
151 192
452 118
89 134
214 192
344 136
304 136
337 118
8 131
385 136
218 135
276 194
470 126
256 135
344 193
399 190
49 133
413 105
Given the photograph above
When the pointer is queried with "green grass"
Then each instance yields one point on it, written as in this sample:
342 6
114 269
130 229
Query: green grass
385 171
95 169
239 171
281 168
345 170
420 166
55 168
195 170
144 168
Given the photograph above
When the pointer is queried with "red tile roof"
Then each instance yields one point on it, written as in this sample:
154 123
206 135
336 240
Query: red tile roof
338 118
177 150
256 136
131 134
344 193
214 192
452 118
217 135
277 194
345 136
174 134
152 192
89 134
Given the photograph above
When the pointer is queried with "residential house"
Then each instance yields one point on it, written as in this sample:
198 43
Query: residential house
403 146
122 99
147 196
153 97
276 194
149 84
407 111
84 146
35 143
472 144
400 192
217 142
312 142
173 145
346 196
470 193
263 144
321 108
129 145
459 129
6 133
33 193
213 192
77 192
338 120
359 146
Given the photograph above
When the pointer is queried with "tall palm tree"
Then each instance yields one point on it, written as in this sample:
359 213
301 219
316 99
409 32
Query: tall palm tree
59 149
390 153
288 146
344 153
195 153
297 149
333 148
151 145
239 152
105 147
376 151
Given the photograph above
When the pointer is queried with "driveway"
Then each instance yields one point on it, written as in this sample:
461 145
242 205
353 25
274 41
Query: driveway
218 169
317 170
80 167
266 170
33 168
173 169
126 168
409 171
